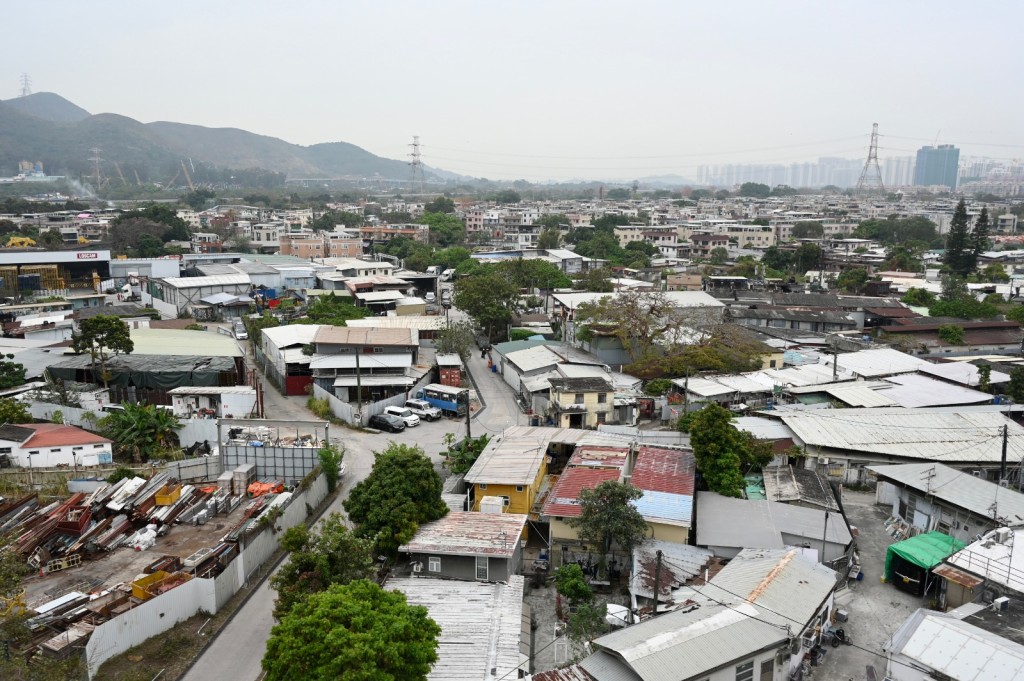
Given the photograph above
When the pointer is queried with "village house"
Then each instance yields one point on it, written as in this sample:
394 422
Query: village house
468 545
48 445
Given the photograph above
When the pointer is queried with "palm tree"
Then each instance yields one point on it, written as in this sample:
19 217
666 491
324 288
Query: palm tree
141 430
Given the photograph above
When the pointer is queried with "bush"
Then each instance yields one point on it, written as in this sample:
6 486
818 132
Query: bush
320 407
330 461
657 387
120 473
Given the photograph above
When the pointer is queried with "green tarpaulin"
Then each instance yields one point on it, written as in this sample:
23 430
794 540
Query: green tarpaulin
925 550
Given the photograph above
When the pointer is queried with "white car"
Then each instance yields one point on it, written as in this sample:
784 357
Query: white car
423 409
404 414
430 298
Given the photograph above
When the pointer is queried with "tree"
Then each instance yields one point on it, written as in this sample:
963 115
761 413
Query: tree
852 279
457 337
550 237
150 246
951 334
353 632
508 196
776 259
980 237
140 430
597 280
718 448
99 336
445 228
330 458
607 518
441 204
903 258
490 299
533 274
893 230
402 491
719 255
958 301
333 310
919 297
1015 389
657 387
13 411
336 218
959 256
572 585
12 374
196 200
808 229
332 554
553 221
461 457
755 189
994 272
807 257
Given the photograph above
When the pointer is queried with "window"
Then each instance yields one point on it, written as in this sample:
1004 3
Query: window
434 564
34 451
745 671
481 568
55 450
97 446
767 671
378 349
506 500
601 416
77 449
483 485
519 488
602 398
5 450
579 398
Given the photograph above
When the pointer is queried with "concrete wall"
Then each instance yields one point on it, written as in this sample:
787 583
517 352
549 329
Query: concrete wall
347 412
160 614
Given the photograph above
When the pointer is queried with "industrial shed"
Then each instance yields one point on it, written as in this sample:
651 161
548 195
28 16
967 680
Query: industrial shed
159 372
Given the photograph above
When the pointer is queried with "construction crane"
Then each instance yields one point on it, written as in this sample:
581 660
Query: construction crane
120 174
188 178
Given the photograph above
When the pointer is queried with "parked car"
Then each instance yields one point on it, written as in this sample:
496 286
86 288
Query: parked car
430 298
386 422
423 409
405 414
240 332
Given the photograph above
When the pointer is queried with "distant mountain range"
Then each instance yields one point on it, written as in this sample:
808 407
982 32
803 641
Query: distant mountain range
46 127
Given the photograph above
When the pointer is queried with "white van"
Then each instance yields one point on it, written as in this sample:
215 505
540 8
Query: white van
447 275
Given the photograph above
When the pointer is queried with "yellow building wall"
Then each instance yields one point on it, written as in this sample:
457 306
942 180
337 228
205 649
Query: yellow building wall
591 404
768 358
672 533
561 532
518 502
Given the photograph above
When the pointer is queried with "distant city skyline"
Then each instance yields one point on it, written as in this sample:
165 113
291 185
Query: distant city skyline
542 91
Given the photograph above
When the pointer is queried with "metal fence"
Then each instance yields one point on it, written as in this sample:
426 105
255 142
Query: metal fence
290 464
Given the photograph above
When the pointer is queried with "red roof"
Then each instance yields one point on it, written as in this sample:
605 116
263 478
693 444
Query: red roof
56 435
563 501
664 470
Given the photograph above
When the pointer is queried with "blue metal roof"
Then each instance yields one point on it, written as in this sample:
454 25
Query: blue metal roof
677 508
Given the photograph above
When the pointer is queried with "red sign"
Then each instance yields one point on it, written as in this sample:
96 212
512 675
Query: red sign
88 255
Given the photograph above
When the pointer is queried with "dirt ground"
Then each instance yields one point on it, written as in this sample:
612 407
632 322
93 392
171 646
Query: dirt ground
876 609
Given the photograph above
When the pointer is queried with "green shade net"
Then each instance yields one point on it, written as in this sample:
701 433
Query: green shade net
924 550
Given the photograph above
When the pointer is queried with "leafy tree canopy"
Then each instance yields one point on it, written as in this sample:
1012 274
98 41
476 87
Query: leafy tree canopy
445 228
808 230
355 632
457 337
755 189
333 310
101 336
490 298
893 230
533 273
332 554
608 518
141 431
332 218
852 279
441 204
402 491
918 297
12 374
719 449
13 411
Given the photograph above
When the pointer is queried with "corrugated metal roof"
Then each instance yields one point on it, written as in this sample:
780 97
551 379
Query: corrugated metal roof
346 335
379 296
466 533
293 334
664 470
563 502
680 563
703 387
534 358
367 361
480 625
963 373
539 382
915 391
959 650
418 322
216 280
762 428
599 457
352 381
937 435
183 343
957 488
722 521
676 298
860 394
663 507
213 390
878 362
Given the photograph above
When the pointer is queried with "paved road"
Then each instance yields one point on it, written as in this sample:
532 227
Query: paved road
238 649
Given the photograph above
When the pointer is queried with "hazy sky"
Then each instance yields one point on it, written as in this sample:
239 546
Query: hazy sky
544 89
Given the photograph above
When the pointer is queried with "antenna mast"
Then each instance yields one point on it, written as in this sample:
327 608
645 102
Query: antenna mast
871 177
26 85
416 166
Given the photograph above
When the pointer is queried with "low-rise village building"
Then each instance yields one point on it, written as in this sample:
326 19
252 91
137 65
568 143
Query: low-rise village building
468 545
48 445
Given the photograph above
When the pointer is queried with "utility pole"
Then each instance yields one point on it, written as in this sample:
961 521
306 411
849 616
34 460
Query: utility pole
359 390
835 364
657 579
1006 441
824 538
469 414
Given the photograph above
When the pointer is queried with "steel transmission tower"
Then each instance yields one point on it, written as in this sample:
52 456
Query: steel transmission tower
871 177
26 85
96 160
416 166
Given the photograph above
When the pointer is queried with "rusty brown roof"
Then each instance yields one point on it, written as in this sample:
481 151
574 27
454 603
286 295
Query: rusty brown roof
468 533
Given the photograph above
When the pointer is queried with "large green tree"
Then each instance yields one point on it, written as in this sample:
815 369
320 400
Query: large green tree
352 632
332 554
490 298
13 411
445 228
894 230
533 274
755 189
608 518
457 337
402 491
852 279
12 374
807 257
102 336
808 229
441 204
980 236
959 255
718 449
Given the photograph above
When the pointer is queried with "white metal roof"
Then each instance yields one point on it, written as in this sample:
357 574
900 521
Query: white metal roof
295 356
420 322
914 390
964 373
350 381
213 390
515 456
758 523
703 387
480 625
534 358
878 362
468 533
366 361
380 296
183 343
958 488
677 298
957 649
215 280
931 435
293 334
994 560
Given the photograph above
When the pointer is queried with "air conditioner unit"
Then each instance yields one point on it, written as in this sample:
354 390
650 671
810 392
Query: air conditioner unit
823 460
1003 534
1004 483
978 474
